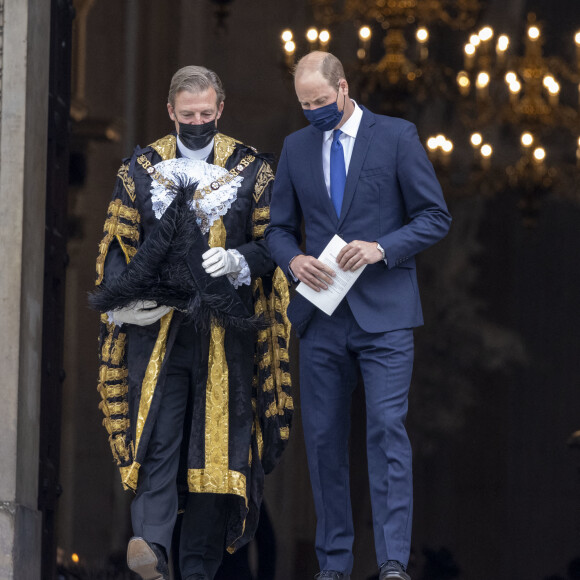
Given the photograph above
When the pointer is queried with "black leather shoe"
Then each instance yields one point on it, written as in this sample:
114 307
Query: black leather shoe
393 570
147 559
332 575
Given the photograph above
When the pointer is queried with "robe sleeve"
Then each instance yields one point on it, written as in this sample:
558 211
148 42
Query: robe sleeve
256 252
119 244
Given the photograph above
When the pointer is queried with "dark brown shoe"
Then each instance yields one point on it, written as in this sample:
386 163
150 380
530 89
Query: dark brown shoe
147 560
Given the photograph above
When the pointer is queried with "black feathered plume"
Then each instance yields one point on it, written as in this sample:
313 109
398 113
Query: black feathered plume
167 269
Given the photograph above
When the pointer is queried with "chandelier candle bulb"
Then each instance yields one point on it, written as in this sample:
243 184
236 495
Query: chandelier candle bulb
539 166
510 77
486 153
476 140
482 84
486 33
289 50
447 148
475 40
554 91
422 36
539 154
323 39
501 47
463 83
364 36
515 89
312 37
469 52
577 41
533 33
527 140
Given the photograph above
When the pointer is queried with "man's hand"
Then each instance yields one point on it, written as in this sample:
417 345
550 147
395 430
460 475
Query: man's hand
141 313
312 272
357 254
219 262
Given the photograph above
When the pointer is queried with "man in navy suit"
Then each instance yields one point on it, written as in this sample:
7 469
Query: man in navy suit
367 178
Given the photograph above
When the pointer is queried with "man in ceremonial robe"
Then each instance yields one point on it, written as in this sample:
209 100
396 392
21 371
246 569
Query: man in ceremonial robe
193 345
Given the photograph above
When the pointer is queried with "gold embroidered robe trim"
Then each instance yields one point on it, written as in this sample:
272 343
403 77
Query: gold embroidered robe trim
261 214
112 391
129 475
151 376
264 177
223 147
128 183
114 408
107 374
216 477
166 147
126 234
258 231
115 425
211 480
258 429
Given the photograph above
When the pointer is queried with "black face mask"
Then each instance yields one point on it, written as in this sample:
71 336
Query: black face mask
196 137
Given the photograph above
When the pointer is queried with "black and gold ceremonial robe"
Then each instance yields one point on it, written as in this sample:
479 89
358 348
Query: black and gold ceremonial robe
242 403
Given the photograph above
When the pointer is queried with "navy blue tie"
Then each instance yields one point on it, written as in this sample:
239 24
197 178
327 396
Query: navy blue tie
337 171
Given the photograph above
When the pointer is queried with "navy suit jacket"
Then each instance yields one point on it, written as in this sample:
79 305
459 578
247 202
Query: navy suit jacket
391 196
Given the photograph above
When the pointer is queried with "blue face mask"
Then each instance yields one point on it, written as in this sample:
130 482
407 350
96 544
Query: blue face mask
324 118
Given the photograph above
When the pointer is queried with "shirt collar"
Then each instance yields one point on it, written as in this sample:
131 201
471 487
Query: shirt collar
350 128
200 154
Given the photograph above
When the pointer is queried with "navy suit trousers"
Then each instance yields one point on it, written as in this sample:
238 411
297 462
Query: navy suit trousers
331 349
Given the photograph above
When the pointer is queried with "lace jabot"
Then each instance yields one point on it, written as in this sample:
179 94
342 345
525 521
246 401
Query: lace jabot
211 206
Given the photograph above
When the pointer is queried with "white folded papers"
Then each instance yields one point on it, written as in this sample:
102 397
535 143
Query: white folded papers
328 300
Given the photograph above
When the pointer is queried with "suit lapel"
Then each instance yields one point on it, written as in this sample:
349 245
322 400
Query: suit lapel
361 146
315 154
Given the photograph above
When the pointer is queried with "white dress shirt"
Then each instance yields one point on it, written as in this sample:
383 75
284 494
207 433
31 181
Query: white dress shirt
349 131
199 154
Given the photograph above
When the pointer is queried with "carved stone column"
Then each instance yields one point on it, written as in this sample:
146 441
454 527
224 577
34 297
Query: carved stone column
23 137
1 53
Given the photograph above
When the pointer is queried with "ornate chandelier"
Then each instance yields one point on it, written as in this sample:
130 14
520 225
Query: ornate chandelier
393 43
398 22
519 97
518 112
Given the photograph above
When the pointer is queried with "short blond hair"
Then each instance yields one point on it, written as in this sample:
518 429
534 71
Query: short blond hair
326 63
195 79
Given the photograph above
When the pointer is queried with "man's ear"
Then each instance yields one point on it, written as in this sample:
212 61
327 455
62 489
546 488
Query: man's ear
220 110
171 112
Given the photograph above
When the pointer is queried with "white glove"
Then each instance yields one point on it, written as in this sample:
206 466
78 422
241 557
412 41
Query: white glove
141 313
219 262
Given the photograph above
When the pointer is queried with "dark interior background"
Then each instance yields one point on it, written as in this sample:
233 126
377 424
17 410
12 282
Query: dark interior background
495 396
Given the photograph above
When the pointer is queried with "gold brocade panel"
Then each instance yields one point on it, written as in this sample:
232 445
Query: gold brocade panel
216 477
